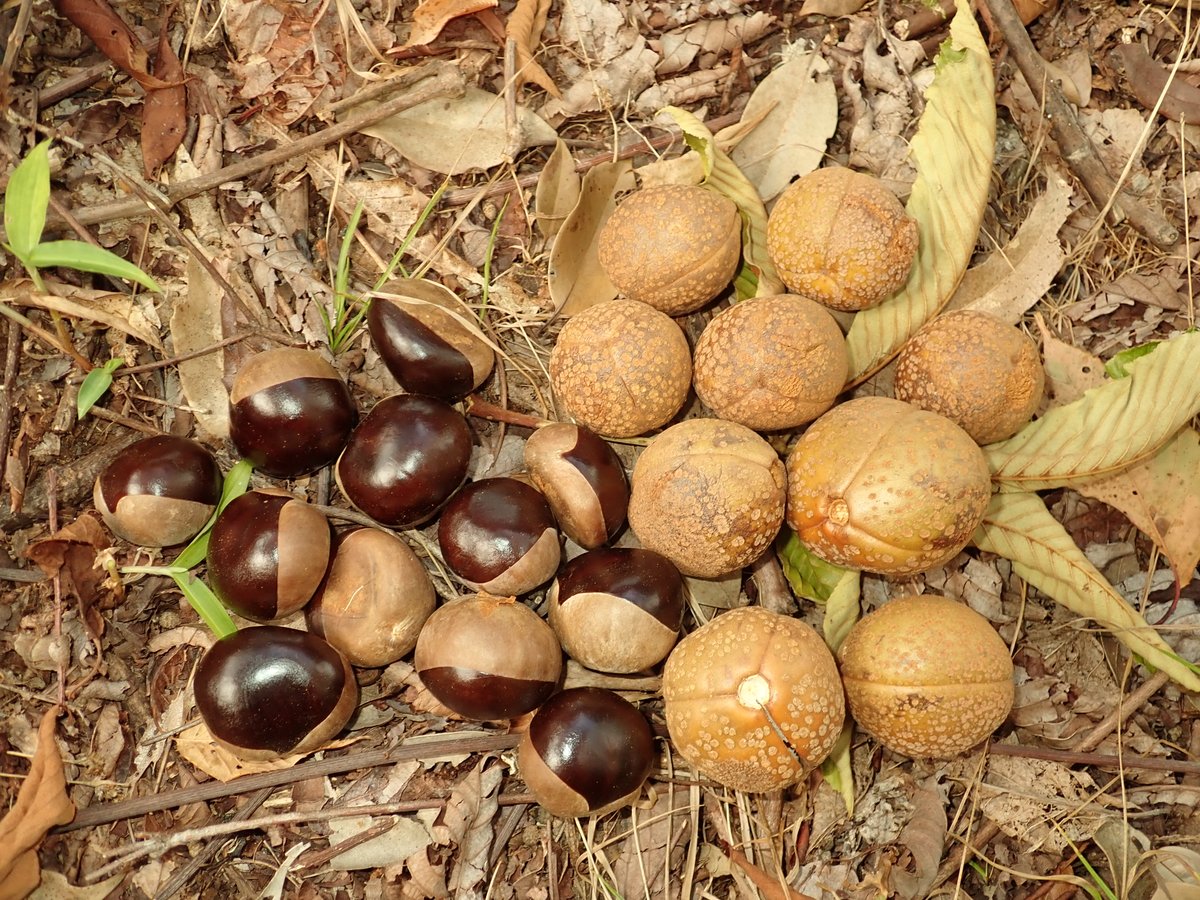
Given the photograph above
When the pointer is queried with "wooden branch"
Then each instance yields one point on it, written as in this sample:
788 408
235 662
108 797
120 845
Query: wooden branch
1077 149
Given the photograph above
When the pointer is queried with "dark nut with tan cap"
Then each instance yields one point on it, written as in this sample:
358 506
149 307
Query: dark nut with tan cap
587 752
427 340
927 676
290 413
488 657
582 479
405 459
158 492
270 691
673 246
267 554
621 368
708 495
617 609
499 535
374 600
753 699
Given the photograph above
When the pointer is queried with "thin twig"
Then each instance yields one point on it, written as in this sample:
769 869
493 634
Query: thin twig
1105 760
12 365
60 662
1127 708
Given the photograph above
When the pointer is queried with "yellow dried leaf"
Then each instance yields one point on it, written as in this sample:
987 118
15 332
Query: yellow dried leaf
41 804
557 190
952 152
1018 527
431 16
1109 428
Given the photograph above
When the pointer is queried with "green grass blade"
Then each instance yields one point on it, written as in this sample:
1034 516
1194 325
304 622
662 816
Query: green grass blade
236 483
206 605
86 258
26 200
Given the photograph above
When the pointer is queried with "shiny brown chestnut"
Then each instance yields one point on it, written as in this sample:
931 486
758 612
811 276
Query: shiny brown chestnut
269 691
405 459
374 599
290 413
583 480
267 554
158 492
499 536
617 609
488 657
427 341
587 752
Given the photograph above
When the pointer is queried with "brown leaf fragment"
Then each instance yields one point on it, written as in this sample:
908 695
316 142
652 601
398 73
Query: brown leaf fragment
70 554
41 804
771 887
164 113
112 36
524 26
432 15
1148 80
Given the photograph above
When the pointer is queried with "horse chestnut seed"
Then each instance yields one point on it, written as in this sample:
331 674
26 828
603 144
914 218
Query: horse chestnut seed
582 479
270 691
290 413
267 554
158 492
587 752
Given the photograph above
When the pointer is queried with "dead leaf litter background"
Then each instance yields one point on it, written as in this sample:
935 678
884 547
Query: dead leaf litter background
224 148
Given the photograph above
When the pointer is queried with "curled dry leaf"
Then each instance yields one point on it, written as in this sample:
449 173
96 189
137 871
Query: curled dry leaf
1011 280
452 135
1108 428
1149 81
1018 527
799 109
431 16
117 311
557 190
952 151
41 804
524 27
195 325
113 36
70 553
576 278
164 113
679 48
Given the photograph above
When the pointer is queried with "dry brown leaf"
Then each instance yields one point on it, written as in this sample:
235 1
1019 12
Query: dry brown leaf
195 325
925 838
56 887
524 26
772 887
197 746
114 310
41 804
70 553
557 190
709 39
653 851
576 279
832 8
164 113
114 38
1148 80
431 16
1011 280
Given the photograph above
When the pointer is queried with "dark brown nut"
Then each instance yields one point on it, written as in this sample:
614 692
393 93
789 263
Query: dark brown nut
582 479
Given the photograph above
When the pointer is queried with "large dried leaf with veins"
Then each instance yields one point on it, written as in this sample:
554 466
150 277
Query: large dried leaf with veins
1110 427
1018 527
952 152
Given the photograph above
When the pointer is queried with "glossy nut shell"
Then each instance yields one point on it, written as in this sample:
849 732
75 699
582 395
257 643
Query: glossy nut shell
267 554
587 752
374 600
488 657
617 609
158 492
927 676
708 495
879 485
290 413
582 479
269 691
405 459
753 699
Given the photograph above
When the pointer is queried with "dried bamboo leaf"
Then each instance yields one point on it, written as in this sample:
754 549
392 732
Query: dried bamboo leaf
723 175
1018 527
1108 429
952 152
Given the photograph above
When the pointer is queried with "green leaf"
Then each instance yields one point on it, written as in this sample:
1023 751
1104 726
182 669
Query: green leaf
25 201
837 588
1118 366
95 384
236 483
206 605
722 175
836 768
86 258
1018 527
1110 427
952 151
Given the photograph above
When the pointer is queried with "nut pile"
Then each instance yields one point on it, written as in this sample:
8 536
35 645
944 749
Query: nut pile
752 699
